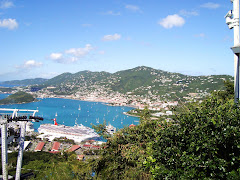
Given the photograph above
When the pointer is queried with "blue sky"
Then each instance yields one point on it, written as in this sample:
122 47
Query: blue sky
44 38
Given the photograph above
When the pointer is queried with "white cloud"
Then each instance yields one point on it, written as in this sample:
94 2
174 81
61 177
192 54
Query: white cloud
113 37
71 55
188 13
210 5
133 8
9 23
30 64
56 56
6 4
171 21
79 52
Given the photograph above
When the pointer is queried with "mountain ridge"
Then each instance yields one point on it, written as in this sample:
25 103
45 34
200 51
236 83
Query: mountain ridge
141 80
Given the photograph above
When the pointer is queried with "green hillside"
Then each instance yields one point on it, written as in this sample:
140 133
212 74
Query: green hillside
19 97
25 82
139 81
142 81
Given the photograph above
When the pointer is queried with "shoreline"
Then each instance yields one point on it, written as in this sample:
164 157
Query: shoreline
125 113
85 100
96 101
18 103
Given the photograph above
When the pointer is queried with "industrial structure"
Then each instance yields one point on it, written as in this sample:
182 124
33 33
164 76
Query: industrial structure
232 20
20 116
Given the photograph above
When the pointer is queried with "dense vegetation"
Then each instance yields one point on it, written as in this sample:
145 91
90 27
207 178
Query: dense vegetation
6 90
46 166
200 142
139 81
18 97
142 81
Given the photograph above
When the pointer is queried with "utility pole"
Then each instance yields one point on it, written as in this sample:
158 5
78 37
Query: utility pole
20 150
232 20
3 122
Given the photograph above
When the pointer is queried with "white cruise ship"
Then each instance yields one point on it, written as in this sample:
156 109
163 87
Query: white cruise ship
78 133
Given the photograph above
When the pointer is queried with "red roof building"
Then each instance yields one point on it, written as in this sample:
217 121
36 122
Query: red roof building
39 146
73 148
54 152
55 146
132 125
87 145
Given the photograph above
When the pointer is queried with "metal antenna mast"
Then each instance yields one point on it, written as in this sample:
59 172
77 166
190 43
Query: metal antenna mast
232 20
22 116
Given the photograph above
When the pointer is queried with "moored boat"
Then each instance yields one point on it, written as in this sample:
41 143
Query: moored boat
78 133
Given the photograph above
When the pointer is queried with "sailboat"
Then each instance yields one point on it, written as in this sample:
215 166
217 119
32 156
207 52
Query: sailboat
97 120
79 108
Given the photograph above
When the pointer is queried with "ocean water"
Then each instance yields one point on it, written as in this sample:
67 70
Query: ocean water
68 112
2 96
7 85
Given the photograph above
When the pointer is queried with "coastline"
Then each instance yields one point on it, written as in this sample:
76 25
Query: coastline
97 101
125 113
19 103
104 101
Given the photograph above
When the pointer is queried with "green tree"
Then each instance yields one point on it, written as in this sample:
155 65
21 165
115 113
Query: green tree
204 143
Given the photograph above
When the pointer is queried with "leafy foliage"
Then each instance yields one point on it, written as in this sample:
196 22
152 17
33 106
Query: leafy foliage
125 152
47 166
101 129
18 97
201 143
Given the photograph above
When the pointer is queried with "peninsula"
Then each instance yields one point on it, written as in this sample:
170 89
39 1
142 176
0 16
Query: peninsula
18 97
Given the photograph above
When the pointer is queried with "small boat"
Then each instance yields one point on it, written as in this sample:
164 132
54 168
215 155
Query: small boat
110 129
79 108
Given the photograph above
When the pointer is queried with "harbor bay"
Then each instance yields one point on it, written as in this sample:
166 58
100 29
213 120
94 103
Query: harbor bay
71 112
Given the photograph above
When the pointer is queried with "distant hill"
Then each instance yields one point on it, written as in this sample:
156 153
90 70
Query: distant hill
87 77
25 82
19 97
139 81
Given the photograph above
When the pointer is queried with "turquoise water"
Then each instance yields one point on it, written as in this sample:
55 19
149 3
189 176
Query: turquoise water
2 96
68 113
